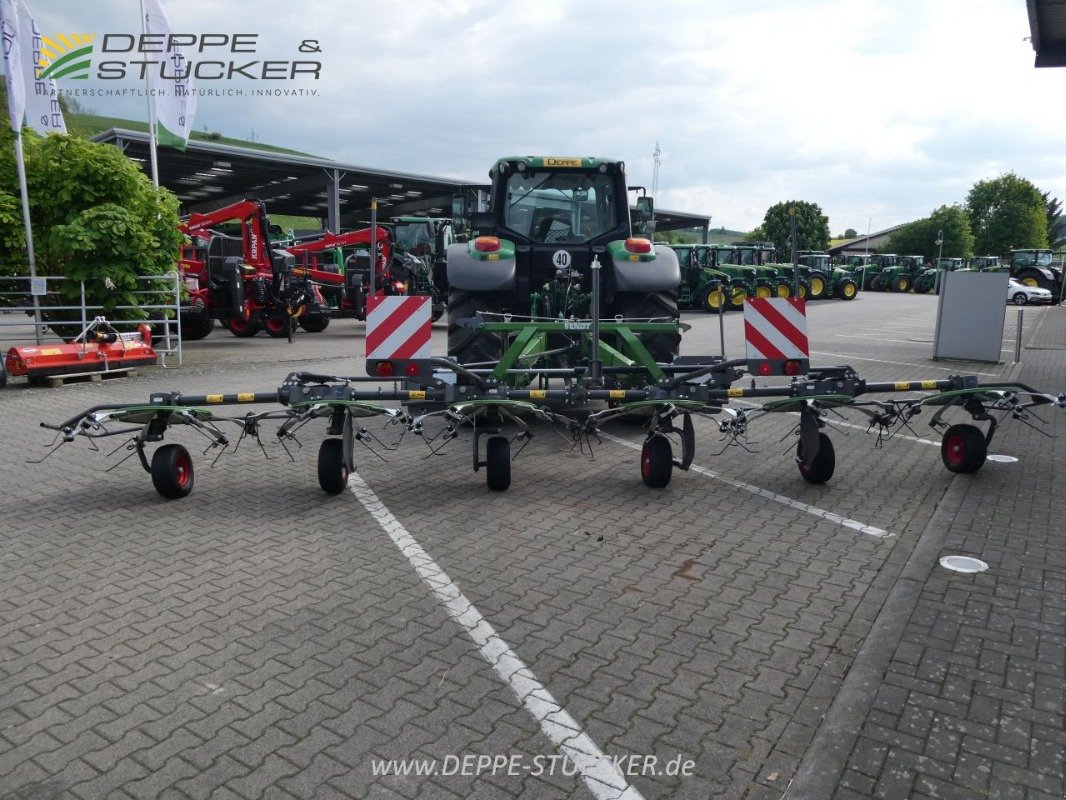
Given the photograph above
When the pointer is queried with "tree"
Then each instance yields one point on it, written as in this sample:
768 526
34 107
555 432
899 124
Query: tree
1056 222
919 237
812 226
756 235
96 217
1007 212
851 233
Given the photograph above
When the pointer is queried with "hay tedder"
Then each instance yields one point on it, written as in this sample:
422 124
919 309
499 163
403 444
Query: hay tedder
558 317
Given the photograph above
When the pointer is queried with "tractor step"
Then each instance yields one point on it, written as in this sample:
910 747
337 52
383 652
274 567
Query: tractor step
55 381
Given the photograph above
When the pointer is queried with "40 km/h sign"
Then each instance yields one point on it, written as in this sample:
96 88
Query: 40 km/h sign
775 336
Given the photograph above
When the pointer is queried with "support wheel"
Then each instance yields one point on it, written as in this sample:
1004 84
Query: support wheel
314 323
332 471
821 469
963 448
656 462
498 463
172 473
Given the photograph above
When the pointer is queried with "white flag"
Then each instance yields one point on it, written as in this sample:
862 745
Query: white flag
42 100
16 88
175 103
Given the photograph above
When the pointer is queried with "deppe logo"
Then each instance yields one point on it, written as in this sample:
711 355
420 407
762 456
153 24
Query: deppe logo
209 57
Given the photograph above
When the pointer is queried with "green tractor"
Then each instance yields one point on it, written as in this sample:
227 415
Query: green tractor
1036 267
985 264
701 288
827 280
757 256
927 280
900 276
419 247
879 262
554 224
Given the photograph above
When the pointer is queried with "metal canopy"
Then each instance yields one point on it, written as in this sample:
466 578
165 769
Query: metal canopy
1047 24
209 175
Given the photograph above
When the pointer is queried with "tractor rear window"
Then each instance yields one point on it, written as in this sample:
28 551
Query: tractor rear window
551 207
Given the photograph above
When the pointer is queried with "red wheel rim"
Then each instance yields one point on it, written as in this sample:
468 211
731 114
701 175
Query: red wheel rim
955 449
182 469
645 461
275 324
237 324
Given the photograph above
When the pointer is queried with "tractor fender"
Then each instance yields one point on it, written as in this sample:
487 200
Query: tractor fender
472 275
662 274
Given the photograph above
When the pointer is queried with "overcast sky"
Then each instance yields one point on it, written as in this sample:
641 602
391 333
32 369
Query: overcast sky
876 110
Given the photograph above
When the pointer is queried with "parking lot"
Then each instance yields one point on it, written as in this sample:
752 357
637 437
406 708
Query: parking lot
756 635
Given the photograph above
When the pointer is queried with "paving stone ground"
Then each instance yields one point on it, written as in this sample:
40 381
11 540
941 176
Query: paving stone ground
260 639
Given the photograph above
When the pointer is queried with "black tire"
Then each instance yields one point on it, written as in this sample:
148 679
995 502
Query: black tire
656 462
242 328
902 283
3 374
868 282
332 471
314 323
923 287
875 283
278 327
1019 298
498 463
818 292
963 449
663 347
1033 277
172 471
847 289
469 345
196 326
821 469
735 296
712 297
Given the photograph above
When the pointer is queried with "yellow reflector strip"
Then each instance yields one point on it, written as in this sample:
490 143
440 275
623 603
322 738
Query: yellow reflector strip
617 394
902 386
928 384
537 394
735 393
245 397
214 398
416 395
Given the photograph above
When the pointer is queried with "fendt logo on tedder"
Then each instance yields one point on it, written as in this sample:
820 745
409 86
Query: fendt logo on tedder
65 55
124 55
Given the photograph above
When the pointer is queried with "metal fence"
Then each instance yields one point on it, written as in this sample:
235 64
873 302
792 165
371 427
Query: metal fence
19 323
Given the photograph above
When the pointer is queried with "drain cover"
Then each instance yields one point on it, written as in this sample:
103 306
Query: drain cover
965 564
1002 459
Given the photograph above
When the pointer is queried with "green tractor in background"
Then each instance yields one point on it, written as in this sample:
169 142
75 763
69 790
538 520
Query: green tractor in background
701 288
879 262
985 264
900 276
1036 267
420 245
927 280
757 256
827 280
551 220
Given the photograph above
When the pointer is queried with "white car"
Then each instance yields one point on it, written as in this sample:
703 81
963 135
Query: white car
1020 294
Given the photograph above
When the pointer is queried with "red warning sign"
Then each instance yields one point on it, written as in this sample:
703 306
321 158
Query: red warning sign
398 327
775 331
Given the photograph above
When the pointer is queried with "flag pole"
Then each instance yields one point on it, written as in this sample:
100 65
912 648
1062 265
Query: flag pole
151 110
20 161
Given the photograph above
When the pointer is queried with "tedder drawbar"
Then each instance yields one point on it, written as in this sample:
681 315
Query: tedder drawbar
574 374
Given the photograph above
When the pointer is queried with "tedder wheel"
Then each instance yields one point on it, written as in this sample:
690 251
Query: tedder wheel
314 323
963 448
277 327
1019 299
244 328
901 284
656 462
172 472
712 298
848 290
498 463
332 471
821 469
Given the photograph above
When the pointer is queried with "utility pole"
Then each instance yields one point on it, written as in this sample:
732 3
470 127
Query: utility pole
940 253
795 250
657 161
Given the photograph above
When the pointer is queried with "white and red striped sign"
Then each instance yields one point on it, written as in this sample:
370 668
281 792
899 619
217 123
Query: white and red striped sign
775 329
398 327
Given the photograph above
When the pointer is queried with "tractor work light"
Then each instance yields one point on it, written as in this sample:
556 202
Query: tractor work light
637 244
487 244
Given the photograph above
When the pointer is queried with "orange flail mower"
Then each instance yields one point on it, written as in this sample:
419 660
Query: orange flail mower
99 348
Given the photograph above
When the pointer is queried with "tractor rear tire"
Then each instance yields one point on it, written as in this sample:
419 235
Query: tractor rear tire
471 345
314 323
244 328
498 463
783 290
821 469
172 471
196 326
1033 277
902 283
963 449
663 347
819 288
847 289
332 471
656 462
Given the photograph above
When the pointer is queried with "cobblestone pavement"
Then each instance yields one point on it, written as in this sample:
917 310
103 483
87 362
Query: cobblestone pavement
260 639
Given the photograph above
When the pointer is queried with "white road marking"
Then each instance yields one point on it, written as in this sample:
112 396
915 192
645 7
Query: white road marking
904 363
821 513
601 776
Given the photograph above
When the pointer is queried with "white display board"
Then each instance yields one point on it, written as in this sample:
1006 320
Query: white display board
969 319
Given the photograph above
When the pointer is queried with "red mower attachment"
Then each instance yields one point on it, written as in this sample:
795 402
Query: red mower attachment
99 348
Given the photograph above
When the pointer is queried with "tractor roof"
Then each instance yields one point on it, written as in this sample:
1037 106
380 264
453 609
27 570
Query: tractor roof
556 162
